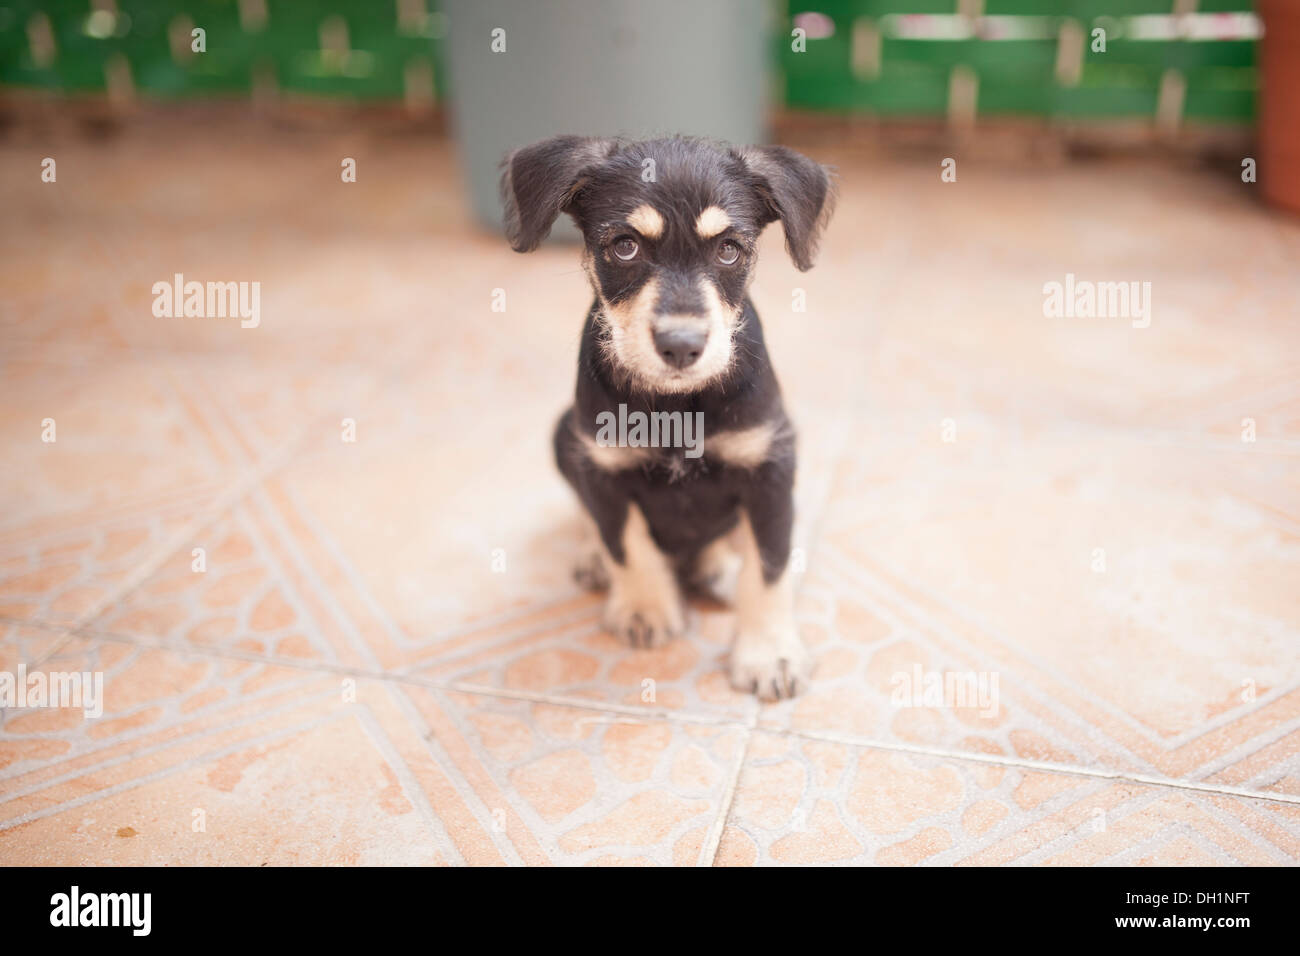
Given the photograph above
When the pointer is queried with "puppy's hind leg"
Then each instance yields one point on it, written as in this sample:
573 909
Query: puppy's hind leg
591 569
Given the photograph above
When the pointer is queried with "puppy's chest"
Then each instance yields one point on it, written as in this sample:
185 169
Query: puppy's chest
687 503
678 446
674 481
694 470
673 466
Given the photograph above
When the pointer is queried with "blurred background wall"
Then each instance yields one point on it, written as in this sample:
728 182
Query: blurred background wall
1158 69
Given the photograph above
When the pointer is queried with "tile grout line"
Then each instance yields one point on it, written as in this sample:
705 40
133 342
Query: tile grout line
1042 766
747 725
910 609
1070 714
481 690
713 839
559 700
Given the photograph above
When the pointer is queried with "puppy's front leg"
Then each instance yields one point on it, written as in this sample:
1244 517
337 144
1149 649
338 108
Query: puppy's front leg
645 605
768 658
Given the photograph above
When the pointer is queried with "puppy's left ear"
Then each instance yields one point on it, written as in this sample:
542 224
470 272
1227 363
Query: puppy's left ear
538 182
795 190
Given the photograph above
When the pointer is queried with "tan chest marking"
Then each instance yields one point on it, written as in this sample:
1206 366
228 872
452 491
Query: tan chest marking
746 448
612 458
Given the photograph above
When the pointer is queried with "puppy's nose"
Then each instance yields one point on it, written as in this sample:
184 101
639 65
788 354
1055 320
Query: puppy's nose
681 347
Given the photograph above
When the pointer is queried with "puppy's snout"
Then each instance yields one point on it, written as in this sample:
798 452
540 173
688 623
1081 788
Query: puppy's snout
681 347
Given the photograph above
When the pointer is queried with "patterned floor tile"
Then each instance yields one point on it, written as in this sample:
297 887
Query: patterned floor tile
927 606
805 801
200 759
236 586
323 564
61 571
587 787
441 563
26 644
82 443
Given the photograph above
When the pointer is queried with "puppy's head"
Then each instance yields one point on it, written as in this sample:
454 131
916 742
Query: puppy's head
670 227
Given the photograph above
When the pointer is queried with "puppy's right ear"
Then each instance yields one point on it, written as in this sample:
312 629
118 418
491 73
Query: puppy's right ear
538 182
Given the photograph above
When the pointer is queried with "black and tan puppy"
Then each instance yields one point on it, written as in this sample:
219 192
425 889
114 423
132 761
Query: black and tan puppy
673 340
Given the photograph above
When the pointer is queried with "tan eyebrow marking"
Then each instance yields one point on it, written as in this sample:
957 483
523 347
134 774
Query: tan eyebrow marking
711 222
646 220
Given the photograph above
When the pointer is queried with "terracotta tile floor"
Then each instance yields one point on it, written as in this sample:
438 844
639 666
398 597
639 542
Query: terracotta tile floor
385 659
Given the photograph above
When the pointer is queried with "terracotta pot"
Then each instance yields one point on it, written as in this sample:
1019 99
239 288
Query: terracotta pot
1279 103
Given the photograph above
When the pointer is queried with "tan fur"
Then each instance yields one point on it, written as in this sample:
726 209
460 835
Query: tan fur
746 448
611 458
644 606
631 346
711 222
768 657
647 220
717 569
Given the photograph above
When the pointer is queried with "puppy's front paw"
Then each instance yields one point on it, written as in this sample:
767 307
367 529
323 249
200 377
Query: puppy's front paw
643 622
774 665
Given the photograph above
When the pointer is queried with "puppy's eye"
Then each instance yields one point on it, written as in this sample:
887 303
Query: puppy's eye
728 253
626 248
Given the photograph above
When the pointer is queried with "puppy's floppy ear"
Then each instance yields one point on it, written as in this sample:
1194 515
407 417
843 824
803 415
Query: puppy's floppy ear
539 181
795 190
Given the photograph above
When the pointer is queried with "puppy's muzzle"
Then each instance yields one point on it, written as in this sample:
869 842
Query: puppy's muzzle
680 347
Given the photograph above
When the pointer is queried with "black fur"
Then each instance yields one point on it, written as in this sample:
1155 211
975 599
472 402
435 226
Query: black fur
687 502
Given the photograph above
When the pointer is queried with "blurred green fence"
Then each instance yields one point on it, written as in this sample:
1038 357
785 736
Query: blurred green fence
376 49
1037 57
889 57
